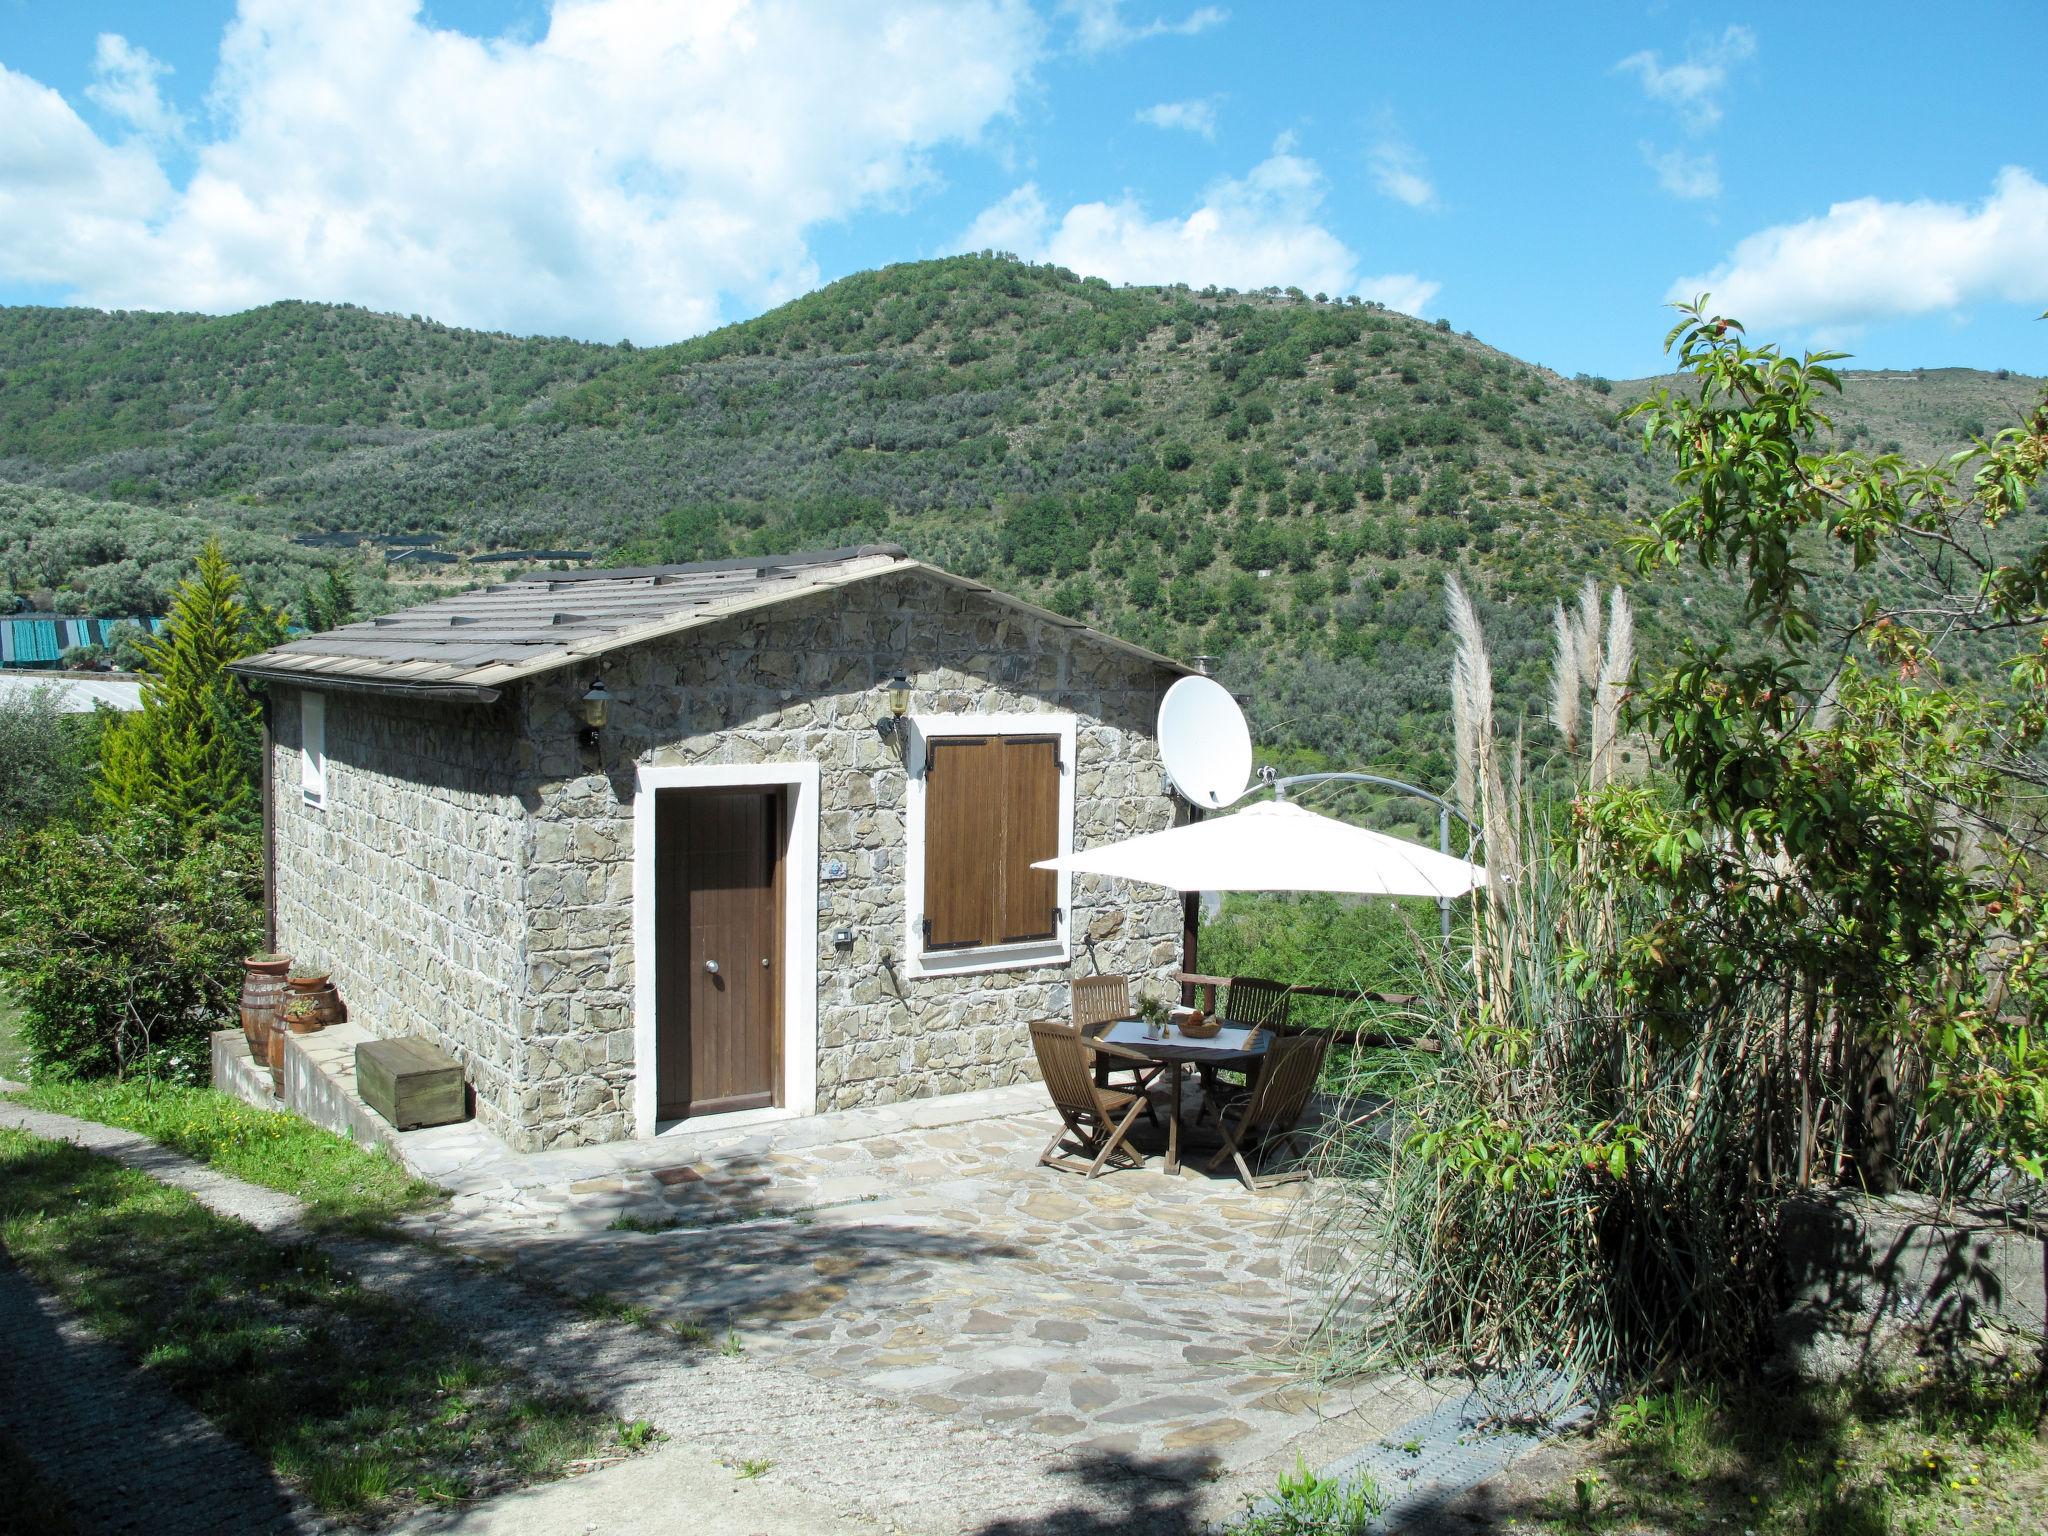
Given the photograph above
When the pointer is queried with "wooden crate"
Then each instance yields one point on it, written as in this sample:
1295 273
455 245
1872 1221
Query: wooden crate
410 1083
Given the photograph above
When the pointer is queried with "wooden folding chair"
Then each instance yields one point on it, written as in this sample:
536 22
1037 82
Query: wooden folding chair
1097 1118
1256 1004
1251 1000
1270 1114
1100 1001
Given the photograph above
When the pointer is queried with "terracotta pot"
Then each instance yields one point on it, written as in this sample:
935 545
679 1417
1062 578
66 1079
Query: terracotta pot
327 1005
302 1016
263 992
309 984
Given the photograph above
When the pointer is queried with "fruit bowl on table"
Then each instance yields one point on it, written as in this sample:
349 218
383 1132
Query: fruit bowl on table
1197 1026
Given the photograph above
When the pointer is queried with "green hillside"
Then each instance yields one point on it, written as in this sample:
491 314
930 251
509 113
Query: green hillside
1270 478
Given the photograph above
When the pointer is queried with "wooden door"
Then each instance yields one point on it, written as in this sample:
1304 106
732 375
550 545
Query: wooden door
718 976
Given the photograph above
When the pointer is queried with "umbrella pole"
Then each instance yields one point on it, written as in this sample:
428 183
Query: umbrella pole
1190 929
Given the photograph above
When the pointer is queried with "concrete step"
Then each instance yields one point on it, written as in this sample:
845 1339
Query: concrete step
238 1073
319 1081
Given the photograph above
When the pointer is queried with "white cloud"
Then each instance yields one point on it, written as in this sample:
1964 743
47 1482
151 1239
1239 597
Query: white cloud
1252 231
1684 175
637 168
1872 260
1099 25
1399 170
1017 224
125 84
1194 116
1693 85
67 200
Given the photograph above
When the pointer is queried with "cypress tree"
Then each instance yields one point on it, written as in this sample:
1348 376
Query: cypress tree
194 749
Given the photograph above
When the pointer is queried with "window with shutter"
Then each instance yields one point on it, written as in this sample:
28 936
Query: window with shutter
992 805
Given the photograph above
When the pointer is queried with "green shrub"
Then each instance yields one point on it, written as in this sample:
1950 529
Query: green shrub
121 945
46 759
1333 941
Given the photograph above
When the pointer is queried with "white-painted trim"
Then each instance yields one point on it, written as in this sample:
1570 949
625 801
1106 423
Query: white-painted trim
799 933
313 748
1005 957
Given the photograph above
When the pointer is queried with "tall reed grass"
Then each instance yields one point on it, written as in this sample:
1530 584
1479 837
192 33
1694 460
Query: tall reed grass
1575 1188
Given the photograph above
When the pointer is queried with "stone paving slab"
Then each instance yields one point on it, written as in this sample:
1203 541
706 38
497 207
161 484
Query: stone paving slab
850 1451
938 1266
1423 1466
904 1298
465 1157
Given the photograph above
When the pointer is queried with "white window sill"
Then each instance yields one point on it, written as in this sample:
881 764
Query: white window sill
967 962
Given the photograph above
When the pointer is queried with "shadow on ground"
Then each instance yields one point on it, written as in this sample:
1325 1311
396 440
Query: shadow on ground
1128 1495
771 1268
126 1455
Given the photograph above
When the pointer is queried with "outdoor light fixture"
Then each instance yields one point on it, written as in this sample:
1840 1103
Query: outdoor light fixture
595 707
899 703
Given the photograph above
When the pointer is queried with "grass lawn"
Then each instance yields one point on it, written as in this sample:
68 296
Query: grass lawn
367 1407
1958 1452
341 1182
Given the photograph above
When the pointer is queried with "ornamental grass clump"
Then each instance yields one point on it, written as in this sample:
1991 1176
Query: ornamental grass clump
1564 1190
1781 926
1581 1186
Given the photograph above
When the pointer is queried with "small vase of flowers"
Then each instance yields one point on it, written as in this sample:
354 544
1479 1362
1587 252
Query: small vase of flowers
1152 1010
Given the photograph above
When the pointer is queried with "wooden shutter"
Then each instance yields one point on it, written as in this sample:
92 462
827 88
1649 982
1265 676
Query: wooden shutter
963 831
991 810
1031 831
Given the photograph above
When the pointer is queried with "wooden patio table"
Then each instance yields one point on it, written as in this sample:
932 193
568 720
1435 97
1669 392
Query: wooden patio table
1226 1048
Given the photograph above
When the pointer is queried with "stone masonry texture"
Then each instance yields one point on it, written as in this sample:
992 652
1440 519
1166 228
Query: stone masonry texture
470 877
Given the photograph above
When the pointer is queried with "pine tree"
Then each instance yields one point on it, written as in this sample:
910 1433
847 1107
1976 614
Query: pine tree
194 749
329 605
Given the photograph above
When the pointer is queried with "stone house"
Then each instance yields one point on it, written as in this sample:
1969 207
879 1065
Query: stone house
750 838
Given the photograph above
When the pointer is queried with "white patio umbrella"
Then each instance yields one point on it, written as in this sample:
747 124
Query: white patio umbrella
1279 846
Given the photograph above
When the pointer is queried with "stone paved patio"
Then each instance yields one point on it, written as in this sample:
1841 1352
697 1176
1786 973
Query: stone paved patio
918 1253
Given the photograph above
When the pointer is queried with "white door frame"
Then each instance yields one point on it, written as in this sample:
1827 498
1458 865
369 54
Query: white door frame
799 959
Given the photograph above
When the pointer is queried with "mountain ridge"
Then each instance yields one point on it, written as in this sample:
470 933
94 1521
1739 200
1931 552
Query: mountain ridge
1277 480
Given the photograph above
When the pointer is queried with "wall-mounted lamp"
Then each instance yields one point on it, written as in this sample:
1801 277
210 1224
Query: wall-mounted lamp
595 708
899 703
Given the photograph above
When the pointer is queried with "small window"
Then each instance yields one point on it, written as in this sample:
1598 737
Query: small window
313 747
991 811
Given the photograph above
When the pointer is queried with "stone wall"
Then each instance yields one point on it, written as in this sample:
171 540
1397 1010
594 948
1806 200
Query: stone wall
507 880
410 882
1866 1280
804 683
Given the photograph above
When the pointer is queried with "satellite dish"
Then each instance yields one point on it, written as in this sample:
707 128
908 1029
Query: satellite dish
1205 742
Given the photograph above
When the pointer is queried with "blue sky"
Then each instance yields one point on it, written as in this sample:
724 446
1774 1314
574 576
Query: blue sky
1546 177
